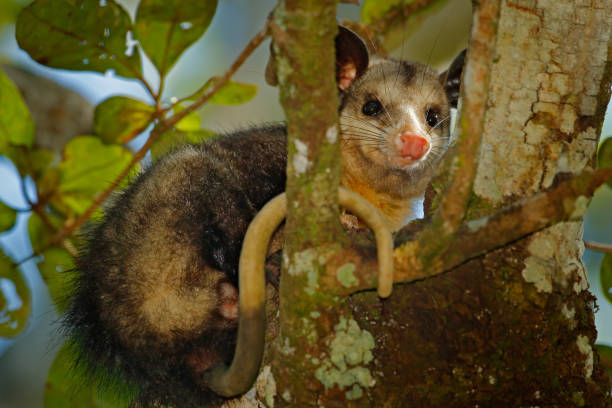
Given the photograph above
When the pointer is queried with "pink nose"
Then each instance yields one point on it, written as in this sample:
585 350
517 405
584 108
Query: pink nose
412 145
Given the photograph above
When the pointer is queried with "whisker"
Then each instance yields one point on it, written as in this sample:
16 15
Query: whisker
362 121
387 92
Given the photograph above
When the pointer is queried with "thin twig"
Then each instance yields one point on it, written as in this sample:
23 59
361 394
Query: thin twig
597 246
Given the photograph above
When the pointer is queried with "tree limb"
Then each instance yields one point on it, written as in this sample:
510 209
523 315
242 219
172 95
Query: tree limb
566 200
459 166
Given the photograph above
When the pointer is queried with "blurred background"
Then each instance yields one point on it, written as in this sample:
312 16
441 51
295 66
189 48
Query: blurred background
25 361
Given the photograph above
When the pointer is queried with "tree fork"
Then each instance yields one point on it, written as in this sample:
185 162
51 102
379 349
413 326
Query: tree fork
510 313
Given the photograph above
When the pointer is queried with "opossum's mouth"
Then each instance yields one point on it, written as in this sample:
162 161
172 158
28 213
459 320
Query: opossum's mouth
401 162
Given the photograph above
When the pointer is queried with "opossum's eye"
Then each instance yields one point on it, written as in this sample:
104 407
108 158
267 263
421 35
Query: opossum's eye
431 117
372 108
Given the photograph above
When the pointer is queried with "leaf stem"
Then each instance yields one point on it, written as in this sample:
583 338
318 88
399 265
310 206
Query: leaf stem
597 246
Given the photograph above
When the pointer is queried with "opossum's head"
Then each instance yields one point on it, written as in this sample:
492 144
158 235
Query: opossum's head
393 114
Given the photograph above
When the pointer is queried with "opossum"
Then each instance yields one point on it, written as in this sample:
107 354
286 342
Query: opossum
155 298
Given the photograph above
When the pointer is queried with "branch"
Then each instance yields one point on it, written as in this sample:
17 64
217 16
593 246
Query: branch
566 200
459 166
605 248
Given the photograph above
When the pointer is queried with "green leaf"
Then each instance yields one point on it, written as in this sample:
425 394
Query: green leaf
48 183
15 299
67 386
9 10
30 162
373 10
88 167
190 122
604 155
605 277
174 138
605 355
232 93
399 27
16 125
87 35
41 233
118 118
53 269
8 216
165 28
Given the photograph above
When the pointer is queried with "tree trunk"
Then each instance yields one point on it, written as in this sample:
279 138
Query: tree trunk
502 326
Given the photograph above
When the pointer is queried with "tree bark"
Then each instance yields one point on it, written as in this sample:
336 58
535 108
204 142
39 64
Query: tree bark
513 327
504 319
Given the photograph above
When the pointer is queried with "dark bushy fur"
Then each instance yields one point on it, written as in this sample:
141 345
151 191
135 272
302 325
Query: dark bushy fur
159 271
196 195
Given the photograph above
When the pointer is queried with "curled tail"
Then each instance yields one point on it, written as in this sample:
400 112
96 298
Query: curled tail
155 297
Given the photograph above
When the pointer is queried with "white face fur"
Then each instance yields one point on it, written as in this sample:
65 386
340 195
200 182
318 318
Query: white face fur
396 115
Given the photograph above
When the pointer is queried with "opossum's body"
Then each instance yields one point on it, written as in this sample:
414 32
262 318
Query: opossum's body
159 271
156 297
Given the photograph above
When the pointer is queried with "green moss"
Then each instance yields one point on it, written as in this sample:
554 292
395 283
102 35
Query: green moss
478 207
350 351
303 262
354 393
578 399
309 330
286 348
306 262
312 284
346 276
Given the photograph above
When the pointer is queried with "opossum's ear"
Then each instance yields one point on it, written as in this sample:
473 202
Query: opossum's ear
351 57
451 78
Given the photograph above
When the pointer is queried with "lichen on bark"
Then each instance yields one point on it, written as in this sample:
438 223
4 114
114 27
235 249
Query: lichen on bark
505 316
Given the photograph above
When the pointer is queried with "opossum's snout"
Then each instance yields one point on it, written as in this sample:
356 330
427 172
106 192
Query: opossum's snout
412 146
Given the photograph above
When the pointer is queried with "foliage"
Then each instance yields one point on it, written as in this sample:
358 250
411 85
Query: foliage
605 353
93 35
15 301
605 276
604 160
604 155
65 387
9 10
78 35
16 126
